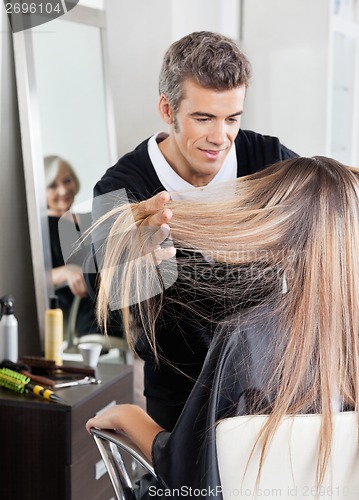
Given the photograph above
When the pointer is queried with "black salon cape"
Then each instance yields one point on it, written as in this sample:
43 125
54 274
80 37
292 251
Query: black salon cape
233 375
182 337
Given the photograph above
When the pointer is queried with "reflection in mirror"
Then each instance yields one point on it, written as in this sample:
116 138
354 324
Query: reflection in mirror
65 116
70 84
62 185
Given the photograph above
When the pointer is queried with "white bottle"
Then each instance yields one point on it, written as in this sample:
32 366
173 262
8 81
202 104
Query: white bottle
8 330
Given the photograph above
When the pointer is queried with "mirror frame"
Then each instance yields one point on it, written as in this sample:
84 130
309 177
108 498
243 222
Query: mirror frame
32 148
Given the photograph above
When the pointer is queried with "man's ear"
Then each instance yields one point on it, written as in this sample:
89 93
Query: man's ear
165 109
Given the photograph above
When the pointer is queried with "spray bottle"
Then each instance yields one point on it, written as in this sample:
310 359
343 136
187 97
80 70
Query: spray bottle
8 330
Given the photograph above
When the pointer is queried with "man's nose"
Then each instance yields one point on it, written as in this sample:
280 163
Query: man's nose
217 134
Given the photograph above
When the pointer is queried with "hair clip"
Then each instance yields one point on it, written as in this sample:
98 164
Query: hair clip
284 284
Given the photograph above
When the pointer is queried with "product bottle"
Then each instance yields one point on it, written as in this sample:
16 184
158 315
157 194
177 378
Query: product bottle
54 331
8 330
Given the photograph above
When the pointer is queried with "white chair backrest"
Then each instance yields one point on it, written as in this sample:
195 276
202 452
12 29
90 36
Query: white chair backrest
289 469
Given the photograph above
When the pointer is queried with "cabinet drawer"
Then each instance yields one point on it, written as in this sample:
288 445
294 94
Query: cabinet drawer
89 479
82 442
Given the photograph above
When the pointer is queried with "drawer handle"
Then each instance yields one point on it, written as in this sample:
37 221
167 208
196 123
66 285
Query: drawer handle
100 469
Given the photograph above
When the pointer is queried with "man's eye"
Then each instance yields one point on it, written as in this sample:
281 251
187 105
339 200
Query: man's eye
202 119
232 120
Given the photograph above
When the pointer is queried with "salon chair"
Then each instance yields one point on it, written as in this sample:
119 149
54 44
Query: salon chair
289 468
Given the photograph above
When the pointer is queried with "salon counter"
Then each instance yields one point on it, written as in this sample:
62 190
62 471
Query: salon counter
46 452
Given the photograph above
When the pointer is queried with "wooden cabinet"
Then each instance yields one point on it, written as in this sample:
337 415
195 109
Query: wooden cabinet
46 453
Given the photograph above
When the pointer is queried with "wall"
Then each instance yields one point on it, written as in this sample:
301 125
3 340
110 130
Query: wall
15 254
139 33
287 44
305 85
188 16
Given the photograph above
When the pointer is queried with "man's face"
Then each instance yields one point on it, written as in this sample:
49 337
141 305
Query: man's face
203 131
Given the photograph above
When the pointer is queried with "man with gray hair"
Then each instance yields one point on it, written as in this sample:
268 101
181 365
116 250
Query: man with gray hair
202 86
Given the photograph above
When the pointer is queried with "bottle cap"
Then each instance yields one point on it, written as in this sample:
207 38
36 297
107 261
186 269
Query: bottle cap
54 302
7 305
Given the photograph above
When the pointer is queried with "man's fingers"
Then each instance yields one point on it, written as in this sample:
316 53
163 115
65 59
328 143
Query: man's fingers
160 235
164 254
161 217
152 205
152 239
154 230
168 250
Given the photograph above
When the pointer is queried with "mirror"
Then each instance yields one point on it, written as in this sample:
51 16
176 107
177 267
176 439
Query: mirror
65 110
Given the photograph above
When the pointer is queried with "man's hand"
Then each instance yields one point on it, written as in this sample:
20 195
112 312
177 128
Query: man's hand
154 209
155 215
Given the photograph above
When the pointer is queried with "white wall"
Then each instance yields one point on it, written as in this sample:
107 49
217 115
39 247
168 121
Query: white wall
139 33
95 4
287 44
137 37
208 15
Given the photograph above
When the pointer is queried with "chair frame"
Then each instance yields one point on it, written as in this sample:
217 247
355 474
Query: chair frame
109 444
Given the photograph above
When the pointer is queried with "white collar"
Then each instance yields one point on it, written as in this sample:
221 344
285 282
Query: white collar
174 184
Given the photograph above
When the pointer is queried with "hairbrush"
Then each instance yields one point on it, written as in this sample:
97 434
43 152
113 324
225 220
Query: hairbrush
25 370
21 383
51 366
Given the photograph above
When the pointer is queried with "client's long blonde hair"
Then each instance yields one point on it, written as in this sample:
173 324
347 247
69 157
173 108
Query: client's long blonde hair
298 218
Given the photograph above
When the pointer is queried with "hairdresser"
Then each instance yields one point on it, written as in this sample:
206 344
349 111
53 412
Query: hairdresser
62 185
202 89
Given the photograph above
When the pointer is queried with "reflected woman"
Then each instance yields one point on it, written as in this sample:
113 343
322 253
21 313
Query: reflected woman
62 185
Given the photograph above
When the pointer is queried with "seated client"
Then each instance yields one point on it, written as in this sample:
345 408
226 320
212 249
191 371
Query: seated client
287 236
